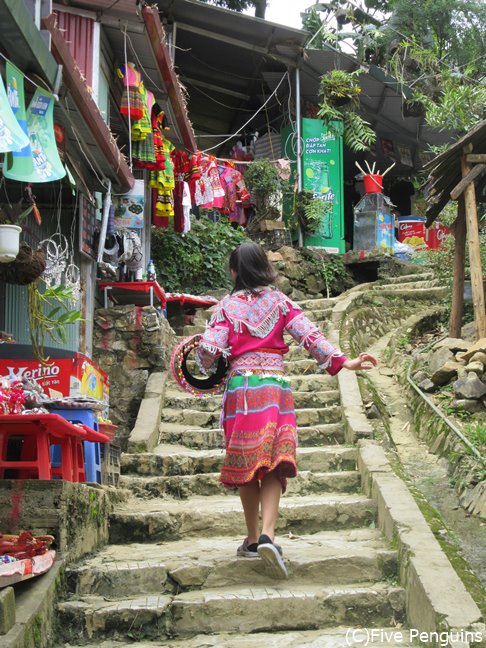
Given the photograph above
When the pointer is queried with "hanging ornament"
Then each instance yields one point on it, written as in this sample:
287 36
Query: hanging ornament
56 250
72 281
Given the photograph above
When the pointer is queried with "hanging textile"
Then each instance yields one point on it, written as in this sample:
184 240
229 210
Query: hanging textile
132 98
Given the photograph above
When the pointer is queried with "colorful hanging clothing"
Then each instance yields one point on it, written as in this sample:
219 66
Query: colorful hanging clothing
258 414
235 190
132 98
143 152
209 192
159 123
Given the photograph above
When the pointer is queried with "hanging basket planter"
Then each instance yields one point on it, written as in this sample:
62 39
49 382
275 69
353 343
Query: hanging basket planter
9 242
26 268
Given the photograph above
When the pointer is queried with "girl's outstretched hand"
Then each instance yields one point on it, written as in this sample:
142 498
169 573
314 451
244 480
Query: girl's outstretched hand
363 361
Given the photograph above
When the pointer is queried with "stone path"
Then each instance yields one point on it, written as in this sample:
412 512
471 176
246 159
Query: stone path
170 576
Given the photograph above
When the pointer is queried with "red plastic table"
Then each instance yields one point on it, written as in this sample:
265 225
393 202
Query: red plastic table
150 287
36 433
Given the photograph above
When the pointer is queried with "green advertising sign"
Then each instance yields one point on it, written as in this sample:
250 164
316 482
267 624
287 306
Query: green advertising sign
16 97
322 174
45 164
12 136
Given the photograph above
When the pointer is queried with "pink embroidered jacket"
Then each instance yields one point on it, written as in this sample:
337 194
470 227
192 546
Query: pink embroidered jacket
246 323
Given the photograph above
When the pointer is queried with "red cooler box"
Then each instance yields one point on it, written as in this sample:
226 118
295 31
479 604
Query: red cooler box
69 373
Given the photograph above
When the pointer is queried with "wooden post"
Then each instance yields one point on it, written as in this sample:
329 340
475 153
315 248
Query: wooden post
455 322
474 249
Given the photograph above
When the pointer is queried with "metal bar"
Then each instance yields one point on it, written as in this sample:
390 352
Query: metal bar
104 222
299 143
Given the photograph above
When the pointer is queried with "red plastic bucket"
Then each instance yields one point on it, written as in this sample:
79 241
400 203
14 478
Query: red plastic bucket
373 183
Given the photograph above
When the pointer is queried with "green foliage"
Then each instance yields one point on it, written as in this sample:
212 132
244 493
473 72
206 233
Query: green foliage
329 269
195 262
263 182
339 101
309 211
50 311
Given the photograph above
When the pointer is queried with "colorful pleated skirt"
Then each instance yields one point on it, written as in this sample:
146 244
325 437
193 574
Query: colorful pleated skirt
260 430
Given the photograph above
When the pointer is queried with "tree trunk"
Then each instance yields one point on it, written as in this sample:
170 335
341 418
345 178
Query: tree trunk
260 8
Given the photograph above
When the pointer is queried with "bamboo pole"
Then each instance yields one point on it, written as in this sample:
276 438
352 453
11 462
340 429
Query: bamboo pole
474 249
460 235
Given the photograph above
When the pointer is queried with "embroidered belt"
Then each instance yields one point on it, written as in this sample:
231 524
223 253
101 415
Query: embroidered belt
257 361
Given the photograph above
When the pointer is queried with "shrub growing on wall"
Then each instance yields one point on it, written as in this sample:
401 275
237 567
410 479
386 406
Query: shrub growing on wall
195 262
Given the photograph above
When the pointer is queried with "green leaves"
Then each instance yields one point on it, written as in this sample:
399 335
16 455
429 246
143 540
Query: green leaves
195 262
52 323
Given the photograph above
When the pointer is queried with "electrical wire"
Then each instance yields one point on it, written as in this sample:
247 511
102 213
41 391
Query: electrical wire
155 85
238 132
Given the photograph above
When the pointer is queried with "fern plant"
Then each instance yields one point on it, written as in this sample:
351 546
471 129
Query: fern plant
339 94
310 211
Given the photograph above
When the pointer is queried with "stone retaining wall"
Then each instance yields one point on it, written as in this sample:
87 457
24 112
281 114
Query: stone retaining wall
129 343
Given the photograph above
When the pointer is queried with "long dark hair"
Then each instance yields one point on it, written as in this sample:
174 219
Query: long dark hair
252 267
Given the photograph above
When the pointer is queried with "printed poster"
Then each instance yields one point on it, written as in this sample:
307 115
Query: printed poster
12 137
405 155
129 210
323 176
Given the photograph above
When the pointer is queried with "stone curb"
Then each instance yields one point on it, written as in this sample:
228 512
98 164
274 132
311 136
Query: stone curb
145 433
35 612
436 598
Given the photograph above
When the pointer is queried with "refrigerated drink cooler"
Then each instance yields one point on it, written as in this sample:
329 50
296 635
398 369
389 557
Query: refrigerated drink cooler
374 224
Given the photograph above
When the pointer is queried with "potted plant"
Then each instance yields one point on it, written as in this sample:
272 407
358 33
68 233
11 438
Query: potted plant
339 94
10 217
19 264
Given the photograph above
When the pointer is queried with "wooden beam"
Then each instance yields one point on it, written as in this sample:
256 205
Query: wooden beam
474 158
474 173
460 232
474 250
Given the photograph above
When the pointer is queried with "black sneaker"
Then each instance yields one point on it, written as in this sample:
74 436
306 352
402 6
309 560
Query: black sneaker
247 551
271 554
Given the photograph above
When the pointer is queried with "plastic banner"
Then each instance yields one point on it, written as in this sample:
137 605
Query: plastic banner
12 137
16 98
46 164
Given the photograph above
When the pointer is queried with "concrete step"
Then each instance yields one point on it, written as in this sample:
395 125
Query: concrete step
306 483
205 439
178 399
327 558
154 520
306 416
335 637
168 460
235 609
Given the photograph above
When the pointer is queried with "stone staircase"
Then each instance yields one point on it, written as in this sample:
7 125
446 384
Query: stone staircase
170 576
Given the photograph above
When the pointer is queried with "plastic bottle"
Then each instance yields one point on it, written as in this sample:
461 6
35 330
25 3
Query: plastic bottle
151 274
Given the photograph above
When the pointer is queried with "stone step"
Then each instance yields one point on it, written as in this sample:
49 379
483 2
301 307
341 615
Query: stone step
182 487
410 285
322 303
155 520
420 276
335 637
230 609
205 439
169 460
326 558
193 329
312 381
305 417
183 400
